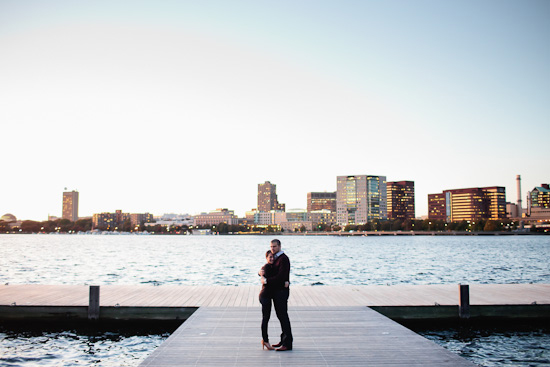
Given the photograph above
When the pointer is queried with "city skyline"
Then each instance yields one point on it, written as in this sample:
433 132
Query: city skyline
71 200
187 107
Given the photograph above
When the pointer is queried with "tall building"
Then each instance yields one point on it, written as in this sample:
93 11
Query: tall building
401 200
267 198
437 207
360 199
321 201
468 204
70 205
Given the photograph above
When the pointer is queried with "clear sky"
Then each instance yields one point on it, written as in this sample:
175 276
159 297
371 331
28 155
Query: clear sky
186 106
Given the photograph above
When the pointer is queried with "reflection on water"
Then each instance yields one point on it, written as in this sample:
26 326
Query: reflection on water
81 345
234 260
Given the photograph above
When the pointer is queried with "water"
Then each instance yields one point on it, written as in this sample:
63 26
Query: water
495 345
234 260
79 344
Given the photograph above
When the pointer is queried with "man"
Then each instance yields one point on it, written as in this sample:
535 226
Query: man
281 271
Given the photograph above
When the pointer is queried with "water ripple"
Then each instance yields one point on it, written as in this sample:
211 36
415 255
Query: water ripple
232 260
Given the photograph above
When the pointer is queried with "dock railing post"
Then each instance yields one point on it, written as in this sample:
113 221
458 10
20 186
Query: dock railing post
464 306
93 307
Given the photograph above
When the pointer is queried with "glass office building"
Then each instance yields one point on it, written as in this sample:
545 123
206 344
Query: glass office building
361 199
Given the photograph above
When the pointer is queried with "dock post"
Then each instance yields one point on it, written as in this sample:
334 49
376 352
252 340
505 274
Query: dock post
93 307
464 306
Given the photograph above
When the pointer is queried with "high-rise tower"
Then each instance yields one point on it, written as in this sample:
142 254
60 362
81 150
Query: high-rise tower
267 198
70 205
361 199
401 200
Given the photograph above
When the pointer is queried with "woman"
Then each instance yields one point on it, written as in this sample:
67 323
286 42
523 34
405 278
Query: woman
266 296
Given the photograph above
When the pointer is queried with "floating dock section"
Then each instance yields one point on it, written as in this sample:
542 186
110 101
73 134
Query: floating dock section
332 325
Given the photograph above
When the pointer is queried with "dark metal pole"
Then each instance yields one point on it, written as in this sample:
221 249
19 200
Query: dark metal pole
464 306
93 307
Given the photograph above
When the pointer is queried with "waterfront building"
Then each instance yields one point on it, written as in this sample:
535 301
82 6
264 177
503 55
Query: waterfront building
321 201
11 220
538 205
296 226
295 215
139 219
323 216
294 220
250 216
216 217
511 210
175 217
401 200
116 220
360 199
437 207
264 218
539 197
267 198
110 221
70 205
468 204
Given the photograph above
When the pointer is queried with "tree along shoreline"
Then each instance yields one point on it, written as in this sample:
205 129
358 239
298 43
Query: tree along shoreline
375 227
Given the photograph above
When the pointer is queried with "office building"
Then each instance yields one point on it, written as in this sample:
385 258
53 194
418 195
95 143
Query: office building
139 219
70 205
539 197
401 200
321 201
294 220
468 204
116 221
323 216
538 204
216 217
110 221
360 199
267 198
437 207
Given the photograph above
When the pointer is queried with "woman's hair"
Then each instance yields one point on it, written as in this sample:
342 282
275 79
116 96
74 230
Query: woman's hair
267 253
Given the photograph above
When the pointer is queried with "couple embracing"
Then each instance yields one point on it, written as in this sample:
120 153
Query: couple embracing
275 276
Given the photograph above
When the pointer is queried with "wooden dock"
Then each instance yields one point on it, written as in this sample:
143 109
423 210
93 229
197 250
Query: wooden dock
17 296
323 336
332 325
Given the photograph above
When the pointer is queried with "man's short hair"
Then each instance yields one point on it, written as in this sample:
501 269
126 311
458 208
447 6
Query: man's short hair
276 242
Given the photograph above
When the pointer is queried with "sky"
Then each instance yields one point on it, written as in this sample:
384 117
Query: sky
186 106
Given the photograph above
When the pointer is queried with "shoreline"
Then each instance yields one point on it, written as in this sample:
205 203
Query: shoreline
340 233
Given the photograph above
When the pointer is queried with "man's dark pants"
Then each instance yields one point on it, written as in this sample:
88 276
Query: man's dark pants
280 301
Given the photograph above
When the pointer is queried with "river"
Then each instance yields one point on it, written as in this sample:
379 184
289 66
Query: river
234 260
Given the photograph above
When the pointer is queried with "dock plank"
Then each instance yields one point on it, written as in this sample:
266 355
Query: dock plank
323 336
247 295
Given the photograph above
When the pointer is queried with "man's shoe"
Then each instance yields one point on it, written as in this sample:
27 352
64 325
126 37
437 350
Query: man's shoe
277 345
282 349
